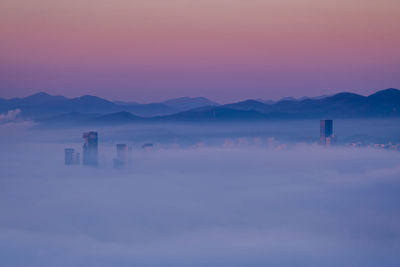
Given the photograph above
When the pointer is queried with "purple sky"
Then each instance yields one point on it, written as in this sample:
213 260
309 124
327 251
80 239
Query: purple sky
226 50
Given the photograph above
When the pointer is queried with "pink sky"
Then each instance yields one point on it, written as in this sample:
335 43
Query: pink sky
227 50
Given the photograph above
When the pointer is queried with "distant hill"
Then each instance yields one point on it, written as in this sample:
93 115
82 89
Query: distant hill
76 119
186 103
385 103
249 105
265 101
42 105
126 103
117 118
67 119
48 109
213 114
302 98
149 110
270 102
388 96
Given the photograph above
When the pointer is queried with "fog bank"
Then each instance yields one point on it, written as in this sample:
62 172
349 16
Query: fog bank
244 205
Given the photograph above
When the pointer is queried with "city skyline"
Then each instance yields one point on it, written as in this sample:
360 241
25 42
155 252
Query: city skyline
224 50
199 133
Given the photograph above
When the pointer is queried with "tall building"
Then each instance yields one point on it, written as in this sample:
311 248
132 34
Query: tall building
90 149
122 156
326 135
77 158
71 157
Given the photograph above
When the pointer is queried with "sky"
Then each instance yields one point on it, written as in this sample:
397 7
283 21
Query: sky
227 50
200 206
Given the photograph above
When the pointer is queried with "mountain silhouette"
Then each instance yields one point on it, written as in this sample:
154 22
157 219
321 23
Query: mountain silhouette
49 109
385 103
186 103
42 105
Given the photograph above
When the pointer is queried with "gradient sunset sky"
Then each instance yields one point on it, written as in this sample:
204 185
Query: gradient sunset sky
227 50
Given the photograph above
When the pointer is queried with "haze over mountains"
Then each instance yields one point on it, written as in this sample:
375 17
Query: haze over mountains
49 109
41 105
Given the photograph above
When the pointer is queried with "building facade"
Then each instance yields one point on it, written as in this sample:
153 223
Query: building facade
326 135
90 149
71 157
122 157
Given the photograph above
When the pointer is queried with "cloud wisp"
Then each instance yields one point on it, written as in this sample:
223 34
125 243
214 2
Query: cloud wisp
10 116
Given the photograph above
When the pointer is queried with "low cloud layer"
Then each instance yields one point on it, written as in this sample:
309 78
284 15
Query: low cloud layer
201 206
11 115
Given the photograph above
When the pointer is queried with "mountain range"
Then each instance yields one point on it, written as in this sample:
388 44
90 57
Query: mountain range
43 105
59 110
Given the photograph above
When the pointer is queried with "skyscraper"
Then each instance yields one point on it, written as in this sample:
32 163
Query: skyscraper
77 158
71 157
90 149
326 135
122 156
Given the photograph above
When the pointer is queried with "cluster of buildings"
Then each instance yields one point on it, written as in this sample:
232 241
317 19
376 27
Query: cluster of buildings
123 151
91 152
387 146
326 138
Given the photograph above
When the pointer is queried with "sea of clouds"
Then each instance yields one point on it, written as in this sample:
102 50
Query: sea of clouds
196 205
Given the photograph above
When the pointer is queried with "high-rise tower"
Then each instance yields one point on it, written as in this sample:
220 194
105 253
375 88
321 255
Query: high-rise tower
71 157
326 135
90 149
122 156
